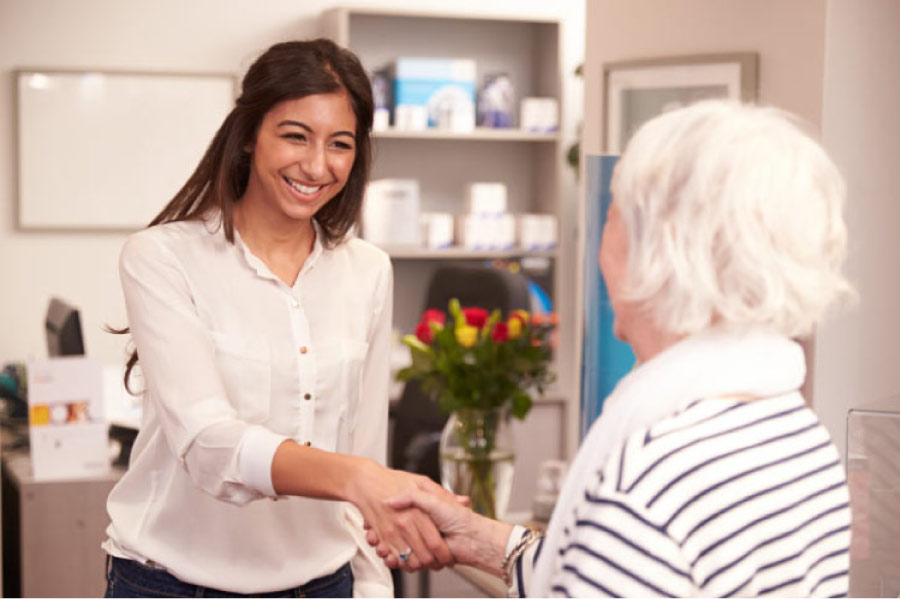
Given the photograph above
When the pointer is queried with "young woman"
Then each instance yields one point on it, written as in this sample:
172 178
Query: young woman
263 334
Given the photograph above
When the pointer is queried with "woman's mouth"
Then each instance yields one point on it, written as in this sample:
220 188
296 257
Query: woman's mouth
306 190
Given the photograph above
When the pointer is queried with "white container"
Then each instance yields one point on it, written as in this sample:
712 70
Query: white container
391 213
503 234
540 115
486 198
487 232
437 229
471 232
537 232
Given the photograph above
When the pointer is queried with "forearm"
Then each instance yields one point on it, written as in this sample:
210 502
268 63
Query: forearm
487 539
303 471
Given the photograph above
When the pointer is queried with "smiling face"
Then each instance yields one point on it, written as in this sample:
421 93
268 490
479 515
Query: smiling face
302 156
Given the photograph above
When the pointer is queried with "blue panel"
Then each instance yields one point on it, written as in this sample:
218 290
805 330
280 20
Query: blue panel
605 360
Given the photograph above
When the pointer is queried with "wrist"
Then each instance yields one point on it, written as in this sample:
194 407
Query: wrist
357 473
489 539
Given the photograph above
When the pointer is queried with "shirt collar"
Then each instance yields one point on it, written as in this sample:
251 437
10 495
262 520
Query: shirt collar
263 270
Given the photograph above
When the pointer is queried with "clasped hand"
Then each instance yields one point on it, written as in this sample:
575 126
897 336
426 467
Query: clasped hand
403 530
470 538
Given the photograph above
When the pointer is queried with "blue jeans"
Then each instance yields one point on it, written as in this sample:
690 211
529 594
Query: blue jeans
131 579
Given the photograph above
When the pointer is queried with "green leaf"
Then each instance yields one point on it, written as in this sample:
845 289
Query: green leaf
406 374
456 311
521 404
422 361
416 344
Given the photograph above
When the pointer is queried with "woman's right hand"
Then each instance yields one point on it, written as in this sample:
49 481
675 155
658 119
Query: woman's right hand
473 539
403 528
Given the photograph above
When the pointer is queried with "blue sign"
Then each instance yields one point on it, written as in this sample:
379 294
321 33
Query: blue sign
604 359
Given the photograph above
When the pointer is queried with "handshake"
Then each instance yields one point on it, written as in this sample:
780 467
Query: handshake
414 524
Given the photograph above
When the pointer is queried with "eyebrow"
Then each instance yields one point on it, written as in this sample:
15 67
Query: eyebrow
306 127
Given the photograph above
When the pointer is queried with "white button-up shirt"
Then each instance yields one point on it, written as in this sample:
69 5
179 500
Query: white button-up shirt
234 363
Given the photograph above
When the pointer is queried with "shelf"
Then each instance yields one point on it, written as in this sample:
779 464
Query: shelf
479 134
414 253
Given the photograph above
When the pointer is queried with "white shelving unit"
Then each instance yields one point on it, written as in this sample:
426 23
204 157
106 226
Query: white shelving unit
532 165
484 134
454 253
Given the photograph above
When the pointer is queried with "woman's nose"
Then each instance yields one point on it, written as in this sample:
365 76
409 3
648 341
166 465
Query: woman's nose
313 162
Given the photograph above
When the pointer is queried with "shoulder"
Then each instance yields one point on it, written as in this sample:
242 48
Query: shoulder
364 253
167 241
361 262
701 434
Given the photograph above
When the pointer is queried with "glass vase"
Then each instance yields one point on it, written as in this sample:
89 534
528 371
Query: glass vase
477 458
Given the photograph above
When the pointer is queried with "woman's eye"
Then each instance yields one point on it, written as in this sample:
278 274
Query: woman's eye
343 145
295 136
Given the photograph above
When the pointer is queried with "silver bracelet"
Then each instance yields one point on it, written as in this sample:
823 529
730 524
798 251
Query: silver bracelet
529 537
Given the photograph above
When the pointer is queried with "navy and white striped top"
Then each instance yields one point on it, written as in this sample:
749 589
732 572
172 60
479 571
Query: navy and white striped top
724 498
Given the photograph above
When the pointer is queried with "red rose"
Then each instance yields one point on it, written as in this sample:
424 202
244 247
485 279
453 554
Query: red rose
424 333
433 315
500 332
475 316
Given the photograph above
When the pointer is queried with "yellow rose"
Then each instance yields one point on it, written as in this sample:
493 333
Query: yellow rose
524 315
466 336
515 328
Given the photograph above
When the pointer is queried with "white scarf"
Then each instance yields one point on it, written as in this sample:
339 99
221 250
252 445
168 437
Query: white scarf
709 364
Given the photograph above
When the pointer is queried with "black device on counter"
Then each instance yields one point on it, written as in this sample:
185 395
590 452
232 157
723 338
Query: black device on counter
63 328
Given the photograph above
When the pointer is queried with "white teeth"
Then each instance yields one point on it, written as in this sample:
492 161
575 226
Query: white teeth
304 189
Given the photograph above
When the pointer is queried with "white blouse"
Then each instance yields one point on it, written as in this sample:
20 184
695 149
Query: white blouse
234 363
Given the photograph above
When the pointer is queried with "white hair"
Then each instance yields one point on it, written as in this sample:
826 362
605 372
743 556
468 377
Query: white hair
733 217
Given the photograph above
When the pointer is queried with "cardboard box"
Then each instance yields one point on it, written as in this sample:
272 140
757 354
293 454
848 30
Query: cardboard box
434 92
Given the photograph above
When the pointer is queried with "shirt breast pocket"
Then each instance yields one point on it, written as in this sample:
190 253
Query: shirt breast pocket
339 381
246 370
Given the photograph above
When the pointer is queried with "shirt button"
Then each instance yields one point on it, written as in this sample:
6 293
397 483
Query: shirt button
302 349
295 304
307 396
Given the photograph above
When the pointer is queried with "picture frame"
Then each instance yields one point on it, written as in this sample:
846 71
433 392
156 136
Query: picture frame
106 150
637 90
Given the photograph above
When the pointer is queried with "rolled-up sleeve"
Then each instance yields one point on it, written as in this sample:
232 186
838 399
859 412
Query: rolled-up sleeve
224 456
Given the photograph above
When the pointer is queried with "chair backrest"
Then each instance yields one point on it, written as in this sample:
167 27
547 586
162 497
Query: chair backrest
416 416
486 287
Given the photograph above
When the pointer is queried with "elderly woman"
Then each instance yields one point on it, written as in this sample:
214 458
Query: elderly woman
707 474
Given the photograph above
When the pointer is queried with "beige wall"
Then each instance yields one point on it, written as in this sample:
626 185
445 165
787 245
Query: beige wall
788 35
858 352
836 64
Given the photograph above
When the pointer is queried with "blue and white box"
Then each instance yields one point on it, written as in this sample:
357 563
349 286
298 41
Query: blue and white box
434 92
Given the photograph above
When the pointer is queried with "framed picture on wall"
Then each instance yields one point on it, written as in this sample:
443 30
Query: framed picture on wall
636 91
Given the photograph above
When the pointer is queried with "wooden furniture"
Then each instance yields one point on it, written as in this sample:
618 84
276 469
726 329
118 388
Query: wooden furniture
52 531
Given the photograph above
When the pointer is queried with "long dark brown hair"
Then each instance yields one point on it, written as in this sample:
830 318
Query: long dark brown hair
286 71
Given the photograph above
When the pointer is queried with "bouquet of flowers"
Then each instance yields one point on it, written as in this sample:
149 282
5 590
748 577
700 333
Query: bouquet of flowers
482 369
479 360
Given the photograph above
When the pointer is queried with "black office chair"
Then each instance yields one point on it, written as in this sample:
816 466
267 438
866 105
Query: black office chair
417 419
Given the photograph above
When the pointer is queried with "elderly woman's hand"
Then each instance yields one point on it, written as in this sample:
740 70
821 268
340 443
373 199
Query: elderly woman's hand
403 530
473 539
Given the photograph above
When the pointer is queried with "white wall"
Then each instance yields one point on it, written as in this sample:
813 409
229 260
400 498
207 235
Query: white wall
159 35
858 353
